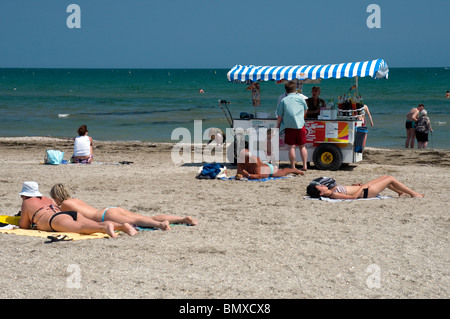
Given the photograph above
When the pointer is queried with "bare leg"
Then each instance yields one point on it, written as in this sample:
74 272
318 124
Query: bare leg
291 155
120 215
83 225
410 137
176 219
285 171
381 183
304 155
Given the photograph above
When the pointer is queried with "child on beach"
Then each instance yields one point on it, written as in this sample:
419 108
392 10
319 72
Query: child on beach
62 198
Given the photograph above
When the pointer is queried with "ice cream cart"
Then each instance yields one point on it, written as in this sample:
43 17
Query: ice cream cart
336 137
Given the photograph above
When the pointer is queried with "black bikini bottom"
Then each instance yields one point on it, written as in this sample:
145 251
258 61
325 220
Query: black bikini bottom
71 213
366 192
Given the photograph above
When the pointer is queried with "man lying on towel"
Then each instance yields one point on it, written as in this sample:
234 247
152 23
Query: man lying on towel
41 213
251 167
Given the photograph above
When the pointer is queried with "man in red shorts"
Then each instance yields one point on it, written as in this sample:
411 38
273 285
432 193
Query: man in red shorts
292 112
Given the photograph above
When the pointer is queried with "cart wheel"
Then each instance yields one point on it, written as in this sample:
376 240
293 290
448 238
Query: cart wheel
327 157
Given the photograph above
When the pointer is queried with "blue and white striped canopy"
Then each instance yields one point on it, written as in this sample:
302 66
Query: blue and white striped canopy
377 69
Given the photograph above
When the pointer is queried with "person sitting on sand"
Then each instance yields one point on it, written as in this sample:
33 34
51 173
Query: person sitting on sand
39 212
63 199
368 190
251 167
82 147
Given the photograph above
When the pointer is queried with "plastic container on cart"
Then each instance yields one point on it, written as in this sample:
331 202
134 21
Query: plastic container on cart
360 138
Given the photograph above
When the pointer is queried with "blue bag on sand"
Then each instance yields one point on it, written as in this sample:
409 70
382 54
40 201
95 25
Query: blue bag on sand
210 171
53 157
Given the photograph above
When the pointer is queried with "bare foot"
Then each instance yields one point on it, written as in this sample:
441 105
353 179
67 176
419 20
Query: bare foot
109 228
164 225
298 172
418 195
190 221
130 230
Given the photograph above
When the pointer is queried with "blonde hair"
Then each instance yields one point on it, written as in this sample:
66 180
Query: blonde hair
60 192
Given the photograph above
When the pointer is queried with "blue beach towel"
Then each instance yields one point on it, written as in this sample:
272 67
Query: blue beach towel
232 178
141 228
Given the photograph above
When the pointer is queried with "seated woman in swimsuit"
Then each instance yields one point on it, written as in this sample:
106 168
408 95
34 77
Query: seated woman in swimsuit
368 190
39 212
251 167
62 198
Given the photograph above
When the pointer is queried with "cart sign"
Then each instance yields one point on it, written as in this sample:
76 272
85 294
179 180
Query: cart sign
326 131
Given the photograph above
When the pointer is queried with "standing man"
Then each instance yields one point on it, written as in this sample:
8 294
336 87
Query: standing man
315 103
411 118
291 112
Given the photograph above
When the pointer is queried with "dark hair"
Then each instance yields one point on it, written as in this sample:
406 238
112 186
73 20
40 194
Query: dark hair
82 130
312 190
290 87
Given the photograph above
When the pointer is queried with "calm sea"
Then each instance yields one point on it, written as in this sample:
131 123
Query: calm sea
147 105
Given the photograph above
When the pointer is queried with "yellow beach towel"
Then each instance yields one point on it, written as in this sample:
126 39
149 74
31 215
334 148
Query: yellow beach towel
13 220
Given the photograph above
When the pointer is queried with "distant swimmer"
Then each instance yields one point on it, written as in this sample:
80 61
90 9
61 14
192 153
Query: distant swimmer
201 91
447 95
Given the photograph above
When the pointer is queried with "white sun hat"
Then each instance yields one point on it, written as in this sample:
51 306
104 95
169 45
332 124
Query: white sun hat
30 189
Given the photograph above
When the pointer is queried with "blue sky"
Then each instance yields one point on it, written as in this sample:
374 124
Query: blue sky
222 33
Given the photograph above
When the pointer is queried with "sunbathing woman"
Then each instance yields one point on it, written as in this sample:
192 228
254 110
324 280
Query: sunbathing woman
368 190
62 198
251 167
38 212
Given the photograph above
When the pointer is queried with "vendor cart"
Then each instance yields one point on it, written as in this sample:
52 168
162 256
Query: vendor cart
337 137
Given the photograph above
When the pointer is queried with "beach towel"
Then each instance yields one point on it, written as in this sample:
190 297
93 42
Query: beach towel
232 178
45 234
141 228
333 200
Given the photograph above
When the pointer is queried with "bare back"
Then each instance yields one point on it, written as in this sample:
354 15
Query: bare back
412 114
37 210
82 208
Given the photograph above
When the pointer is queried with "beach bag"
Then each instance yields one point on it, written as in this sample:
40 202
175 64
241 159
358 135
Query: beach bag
327 181
53 157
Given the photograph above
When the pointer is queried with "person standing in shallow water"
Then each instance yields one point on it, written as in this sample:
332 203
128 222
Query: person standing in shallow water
411 120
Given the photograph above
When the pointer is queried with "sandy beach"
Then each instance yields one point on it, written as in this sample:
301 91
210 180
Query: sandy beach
253 240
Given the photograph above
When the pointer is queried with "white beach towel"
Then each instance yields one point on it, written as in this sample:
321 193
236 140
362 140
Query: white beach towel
327 199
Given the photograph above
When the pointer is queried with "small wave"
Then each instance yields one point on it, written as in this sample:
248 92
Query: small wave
440 123
63 115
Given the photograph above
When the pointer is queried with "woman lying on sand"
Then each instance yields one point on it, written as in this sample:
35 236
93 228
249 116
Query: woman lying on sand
62 198
39 212
368 190
251 167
